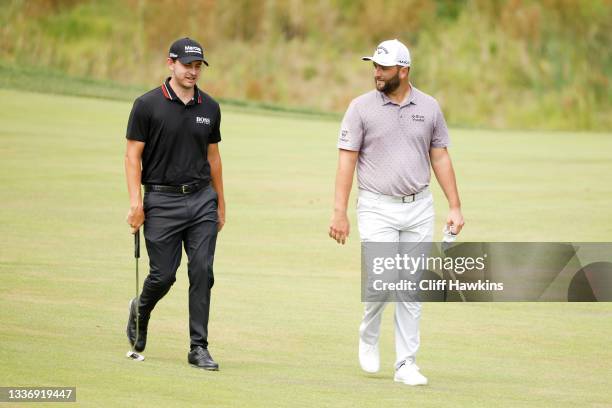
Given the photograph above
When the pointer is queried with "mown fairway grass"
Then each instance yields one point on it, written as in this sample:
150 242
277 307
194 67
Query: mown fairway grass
286 299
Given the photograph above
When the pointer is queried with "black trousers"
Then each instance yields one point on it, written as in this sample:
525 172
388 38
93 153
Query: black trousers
172 220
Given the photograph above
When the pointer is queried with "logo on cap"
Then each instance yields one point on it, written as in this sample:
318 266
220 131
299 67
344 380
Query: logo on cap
380 50
193 49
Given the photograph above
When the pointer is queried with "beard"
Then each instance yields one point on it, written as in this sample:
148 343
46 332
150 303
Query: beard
389 85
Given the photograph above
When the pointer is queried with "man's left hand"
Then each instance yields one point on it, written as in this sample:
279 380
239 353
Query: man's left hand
454 221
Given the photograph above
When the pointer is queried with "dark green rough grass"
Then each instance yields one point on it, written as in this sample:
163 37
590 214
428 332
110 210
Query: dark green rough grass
286 299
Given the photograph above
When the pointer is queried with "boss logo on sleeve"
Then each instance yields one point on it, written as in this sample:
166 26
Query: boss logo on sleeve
344 135
202 120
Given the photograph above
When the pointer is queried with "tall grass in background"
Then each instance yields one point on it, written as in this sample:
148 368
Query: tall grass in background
503 64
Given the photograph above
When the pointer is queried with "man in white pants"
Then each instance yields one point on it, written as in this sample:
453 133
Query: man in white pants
392 135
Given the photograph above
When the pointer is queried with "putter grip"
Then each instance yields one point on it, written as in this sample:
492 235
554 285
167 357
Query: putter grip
137 244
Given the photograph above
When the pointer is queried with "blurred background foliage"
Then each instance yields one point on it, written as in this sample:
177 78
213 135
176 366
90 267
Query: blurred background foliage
491 63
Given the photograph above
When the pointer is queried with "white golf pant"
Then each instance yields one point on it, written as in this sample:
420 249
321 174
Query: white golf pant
383 221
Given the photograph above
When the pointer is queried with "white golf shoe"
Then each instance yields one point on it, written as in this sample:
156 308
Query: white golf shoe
409 374
369 358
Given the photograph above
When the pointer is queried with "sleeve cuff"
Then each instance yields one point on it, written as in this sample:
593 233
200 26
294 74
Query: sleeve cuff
346 147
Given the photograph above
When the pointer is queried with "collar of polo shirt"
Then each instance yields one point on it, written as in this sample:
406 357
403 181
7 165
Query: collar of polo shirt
412 97
172 96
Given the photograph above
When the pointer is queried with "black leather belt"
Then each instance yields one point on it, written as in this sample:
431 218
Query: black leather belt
182 189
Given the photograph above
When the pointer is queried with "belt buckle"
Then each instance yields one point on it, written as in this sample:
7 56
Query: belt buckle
184 189
408 196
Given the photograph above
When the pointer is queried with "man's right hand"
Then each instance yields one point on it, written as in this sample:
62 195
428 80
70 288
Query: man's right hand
339 227
135 218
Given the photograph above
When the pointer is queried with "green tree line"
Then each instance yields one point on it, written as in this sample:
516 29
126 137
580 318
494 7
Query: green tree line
491 63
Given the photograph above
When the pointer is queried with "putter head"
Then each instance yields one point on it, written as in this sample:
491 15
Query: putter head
134 356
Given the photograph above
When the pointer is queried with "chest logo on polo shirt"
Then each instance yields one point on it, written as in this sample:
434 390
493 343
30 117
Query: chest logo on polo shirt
418 118
202 120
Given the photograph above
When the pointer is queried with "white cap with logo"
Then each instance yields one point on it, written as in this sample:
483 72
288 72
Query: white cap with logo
390 53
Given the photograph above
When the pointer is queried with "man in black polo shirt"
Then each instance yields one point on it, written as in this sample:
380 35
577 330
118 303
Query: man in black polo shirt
172 137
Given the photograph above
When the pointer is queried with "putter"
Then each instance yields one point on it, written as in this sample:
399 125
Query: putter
132 354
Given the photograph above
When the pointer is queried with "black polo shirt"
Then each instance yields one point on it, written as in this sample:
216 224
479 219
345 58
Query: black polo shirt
176 135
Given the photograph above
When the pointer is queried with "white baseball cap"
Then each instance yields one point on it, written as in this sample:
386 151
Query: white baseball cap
390 53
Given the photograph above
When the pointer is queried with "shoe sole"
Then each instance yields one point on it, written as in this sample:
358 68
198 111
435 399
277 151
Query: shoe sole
412 385
204 368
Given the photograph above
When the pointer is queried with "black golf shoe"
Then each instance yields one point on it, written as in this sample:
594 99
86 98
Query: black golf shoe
142 328
199 357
